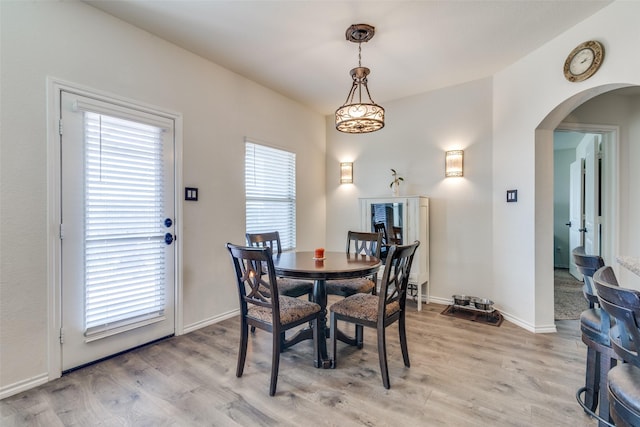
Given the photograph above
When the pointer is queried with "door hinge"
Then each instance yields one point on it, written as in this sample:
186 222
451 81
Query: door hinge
61 233
60 126
61 336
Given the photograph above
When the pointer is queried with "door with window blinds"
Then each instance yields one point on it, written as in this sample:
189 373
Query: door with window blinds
117 231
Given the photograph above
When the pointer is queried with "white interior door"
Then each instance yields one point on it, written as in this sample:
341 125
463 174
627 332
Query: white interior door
117 209
576 206
592 198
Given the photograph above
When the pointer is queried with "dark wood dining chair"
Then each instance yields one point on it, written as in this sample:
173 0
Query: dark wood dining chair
397 235
623 381
594 325
263 307
286 286
382 310
362 243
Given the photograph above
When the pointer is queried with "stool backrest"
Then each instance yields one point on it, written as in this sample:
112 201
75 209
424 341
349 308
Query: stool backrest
587 265
624 306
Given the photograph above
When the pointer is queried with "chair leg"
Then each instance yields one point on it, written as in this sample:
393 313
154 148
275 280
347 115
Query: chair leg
403 340
592 379
316 336
382 355
242 351
359 336
275 361
333 326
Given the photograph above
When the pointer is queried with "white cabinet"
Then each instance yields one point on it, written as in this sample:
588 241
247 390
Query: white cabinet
406 219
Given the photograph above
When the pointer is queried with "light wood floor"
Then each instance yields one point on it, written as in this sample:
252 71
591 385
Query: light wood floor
462 374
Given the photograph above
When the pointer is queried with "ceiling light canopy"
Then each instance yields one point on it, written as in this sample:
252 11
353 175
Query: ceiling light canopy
358 116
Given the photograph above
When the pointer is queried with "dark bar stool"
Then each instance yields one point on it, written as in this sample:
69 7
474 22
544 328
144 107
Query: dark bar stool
594 325
624 379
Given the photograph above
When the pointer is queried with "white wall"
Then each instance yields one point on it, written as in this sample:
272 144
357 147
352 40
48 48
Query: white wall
531 97
77 43
417 133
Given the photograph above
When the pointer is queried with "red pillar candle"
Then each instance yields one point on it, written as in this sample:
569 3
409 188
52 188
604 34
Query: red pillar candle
319 253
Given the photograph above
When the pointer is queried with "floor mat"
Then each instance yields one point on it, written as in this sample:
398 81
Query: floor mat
493 319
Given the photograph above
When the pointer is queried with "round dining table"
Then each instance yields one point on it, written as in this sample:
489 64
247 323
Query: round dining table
334 265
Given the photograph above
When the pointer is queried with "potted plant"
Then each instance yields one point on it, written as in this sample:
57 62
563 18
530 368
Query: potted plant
395 184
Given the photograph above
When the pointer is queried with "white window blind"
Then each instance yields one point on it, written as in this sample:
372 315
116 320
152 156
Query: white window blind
124 207
270 188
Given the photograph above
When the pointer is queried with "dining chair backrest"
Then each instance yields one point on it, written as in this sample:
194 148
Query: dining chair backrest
269 239
393 288
379 227
624 306
587 265
255 285
363 243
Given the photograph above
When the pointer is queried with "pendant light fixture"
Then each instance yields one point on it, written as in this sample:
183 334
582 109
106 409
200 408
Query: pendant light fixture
356 116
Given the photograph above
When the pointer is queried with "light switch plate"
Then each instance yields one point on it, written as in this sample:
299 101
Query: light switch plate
512 196
191 194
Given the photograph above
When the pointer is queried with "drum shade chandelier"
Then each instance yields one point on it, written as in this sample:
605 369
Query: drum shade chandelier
359 117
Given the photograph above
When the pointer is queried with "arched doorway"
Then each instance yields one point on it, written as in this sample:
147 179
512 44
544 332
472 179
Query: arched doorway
544 195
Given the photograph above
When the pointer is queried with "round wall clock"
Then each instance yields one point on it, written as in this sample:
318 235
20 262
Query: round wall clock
583 61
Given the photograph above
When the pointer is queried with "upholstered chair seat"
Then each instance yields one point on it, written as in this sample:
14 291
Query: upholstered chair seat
360 285
591 325
291 310
363 307
624 384
292 287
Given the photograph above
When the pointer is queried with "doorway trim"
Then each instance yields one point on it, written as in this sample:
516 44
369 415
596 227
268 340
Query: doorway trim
54 259
610 182
543 209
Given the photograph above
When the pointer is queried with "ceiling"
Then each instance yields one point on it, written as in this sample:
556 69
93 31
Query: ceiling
298 47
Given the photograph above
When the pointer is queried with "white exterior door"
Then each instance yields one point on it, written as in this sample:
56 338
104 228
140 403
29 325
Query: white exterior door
576 208
117 231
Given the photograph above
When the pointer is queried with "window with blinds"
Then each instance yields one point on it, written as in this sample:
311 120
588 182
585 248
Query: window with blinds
124 207
270 189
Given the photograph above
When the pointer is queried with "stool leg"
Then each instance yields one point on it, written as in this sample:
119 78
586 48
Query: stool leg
592 379
606 364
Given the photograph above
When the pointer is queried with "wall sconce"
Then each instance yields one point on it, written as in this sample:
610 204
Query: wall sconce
346 173
453 163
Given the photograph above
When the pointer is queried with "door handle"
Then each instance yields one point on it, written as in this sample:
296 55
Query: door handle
568 224
582 230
